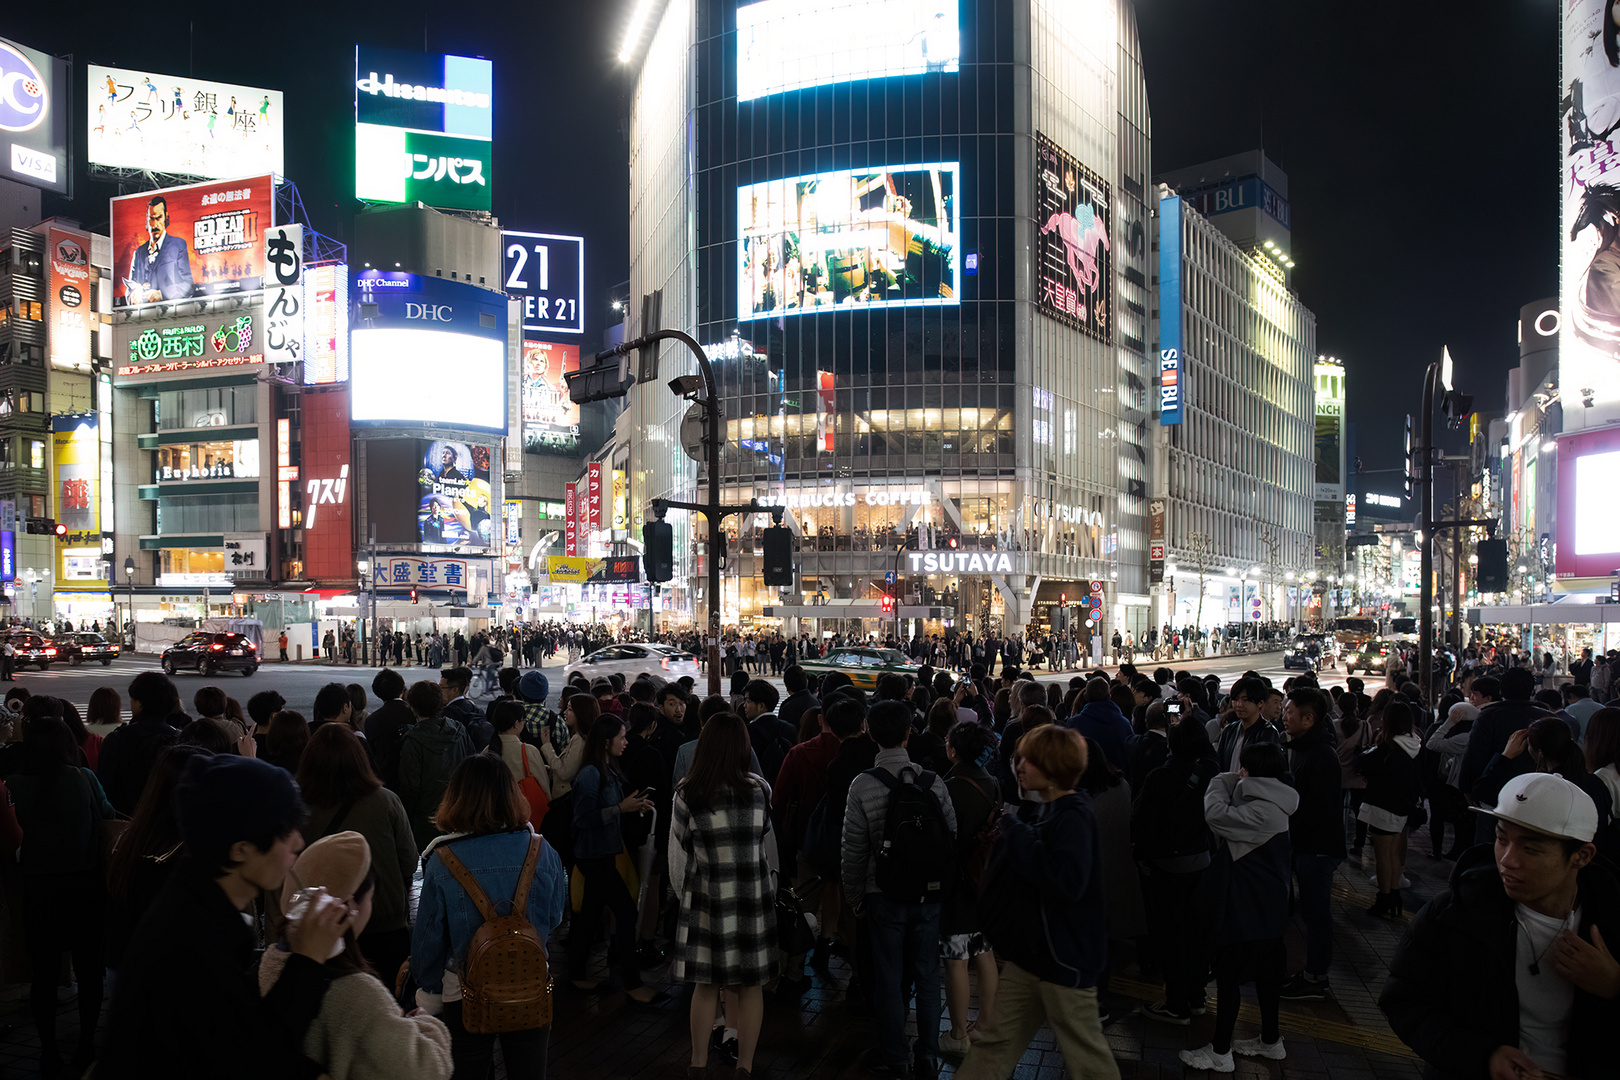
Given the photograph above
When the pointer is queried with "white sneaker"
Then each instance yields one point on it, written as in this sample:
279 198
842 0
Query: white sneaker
1207 1059
950 1044
1259 1048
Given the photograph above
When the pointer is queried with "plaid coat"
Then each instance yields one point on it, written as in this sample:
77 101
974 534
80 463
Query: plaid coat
727 930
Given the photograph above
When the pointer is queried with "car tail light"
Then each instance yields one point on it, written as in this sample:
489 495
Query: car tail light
217 645
249 646
666 663
50 652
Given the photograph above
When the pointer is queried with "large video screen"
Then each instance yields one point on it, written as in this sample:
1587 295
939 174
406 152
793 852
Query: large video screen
550 418
791 44
176 124
856 238
198 240
1073 269
454 489
426 353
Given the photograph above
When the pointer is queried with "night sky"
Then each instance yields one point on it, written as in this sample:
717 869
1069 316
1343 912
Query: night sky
1420 142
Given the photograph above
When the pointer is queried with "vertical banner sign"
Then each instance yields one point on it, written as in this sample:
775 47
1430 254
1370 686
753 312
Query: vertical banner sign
69 300
1171 387
326 324
621 508
286 473
1156 541
593 498
826 410
76 456
1072 264
283 296
1589 342
570 519
324 485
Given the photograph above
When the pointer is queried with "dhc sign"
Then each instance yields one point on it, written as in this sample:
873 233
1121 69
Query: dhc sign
1171 387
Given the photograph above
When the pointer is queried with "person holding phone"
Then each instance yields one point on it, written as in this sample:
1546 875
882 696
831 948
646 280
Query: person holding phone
599 802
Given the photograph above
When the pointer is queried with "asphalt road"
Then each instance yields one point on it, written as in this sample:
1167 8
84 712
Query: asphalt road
298 683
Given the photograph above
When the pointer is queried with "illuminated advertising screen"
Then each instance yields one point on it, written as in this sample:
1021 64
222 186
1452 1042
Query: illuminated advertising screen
326 324
69 300
1588 517
1072 267
423 124
76 456
856 238
34 95
550 419
174 124
430 354
198 240
454 483
791 44
1589 346
546 274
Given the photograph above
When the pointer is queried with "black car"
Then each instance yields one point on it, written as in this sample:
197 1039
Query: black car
79 647
31 648
207 652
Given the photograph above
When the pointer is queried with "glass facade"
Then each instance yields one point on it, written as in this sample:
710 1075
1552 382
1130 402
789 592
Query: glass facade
871 240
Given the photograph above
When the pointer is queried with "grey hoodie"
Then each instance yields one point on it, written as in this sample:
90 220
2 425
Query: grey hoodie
1247 811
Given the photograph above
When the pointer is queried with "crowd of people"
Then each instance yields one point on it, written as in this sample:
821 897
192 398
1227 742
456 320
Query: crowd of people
375 890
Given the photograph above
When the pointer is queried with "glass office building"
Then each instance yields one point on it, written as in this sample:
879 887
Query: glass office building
913 237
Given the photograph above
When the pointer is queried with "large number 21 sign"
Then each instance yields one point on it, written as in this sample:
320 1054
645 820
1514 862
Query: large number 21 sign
547 274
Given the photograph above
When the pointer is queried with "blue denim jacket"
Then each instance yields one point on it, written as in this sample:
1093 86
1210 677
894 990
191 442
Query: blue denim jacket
596 814
447 918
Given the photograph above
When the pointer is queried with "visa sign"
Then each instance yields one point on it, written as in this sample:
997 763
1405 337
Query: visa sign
33 125
1171 396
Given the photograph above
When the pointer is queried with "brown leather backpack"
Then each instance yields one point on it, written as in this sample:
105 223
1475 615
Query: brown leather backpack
506 984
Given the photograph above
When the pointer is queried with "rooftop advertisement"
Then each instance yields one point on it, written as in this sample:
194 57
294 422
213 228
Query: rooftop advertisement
175 124
423 128
1072 264
35 91
864 238
198 240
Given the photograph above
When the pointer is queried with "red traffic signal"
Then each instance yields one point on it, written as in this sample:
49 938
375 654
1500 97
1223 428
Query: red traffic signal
61 529
1063 599
952 542
413 596
888 604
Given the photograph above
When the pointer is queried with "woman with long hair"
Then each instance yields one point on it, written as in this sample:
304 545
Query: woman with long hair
1545 746
579 713
599 802
343 794
146 852
484 824
359 1032
89 744
524 759
1354 736
1390 797
726 936
285 741
60 806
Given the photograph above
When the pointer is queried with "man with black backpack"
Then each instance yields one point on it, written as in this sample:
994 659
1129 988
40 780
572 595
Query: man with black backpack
770 737
898 861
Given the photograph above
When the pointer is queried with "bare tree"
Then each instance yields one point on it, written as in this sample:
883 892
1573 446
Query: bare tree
1202 547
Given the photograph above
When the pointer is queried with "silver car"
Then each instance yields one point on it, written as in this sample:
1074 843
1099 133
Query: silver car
632 658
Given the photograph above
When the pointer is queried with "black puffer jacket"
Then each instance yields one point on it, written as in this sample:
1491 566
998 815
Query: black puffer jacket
1451 994
1167 816
1317 827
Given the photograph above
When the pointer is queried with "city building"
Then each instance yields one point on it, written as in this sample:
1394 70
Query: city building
921 271
1235 460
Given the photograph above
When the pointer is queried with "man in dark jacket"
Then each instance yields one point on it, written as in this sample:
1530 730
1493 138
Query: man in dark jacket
1100 719
799 698
1315 833
1508 973
128 752
428 754
1248 695
386 726
1493 728
1149 750
770 737
453 683
187 1003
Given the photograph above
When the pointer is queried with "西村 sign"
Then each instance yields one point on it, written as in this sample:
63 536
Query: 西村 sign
183 346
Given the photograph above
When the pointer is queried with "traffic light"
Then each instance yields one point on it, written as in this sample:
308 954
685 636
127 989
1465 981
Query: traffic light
413 596
61 529
1063 599
1493 571
658 551
778 555
888 604
952 542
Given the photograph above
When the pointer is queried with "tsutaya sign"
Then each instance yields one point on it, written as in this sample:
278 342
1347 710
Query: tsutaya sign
880 496
961 562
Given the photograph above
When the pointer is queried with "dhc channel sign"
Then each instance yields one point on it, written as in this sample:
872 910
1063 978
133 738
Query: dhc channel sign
1172 389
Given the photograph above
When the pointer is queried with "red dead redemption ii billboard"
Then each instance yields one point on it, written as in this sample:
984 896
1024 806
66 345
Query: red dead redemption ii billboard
1072 263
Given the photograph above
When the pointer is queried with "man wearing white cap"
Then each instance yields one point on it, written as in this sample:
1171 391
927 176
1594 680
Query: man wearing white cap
1508 973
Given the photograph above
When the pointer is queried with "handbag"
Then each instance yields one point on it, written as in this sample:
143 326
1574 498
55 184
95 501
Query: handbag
534 792
795 935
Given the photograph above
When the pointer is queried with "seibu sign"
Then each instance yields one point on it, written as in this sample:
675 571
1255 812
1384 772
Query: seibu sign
961 562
